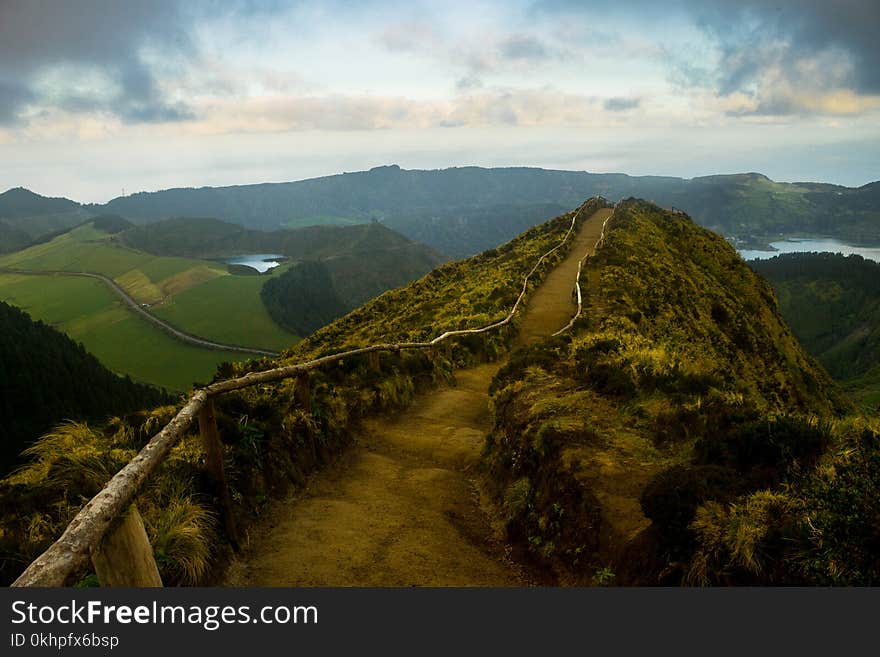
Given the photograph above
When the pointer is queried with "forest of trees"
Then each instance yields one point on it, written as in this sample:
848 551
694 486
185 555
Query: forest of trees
45 378
303 298
832 303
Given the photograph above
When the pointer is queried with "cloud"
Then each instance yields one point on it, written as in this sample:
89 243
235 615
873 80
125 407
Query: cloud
483 107
469 83
92 39
523 46
795 57
760 48
621 104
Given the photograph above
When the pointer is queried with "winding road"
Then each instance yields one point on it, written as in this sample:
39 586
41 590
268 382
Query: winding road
138 309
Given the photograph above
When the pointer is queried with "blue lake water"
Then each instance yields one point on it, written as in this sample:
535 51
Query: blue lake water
807 245
262 262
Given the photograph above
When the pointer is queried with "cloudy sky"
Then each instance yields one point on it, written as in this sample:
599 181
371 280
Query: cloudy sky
97 96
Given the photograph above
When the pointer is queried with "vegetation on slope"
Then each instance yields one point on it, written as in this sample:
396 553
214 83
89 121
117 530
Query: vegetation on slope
46 377
303 298
832 303
681 387
270 441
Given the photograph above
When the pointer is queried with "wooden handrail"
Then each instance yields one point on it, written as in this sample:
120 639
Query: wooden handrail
86 531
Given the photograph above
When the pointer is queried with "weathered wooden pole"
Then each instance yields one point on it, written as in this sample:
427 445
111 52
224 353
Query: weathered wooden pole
214 464
374 362
124 556
302 393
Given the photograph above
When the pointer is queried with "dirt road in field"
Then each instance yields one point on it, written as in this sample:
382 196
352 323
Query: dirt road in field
404 507
138 309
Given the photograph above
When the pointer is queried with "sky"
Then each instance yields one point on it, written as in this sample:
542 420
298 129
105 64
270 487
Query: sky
100 98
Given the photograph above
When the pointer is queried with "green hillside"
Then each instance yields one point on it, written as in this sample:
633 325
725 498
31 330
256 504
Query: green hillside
271 443
36 216
359 261
832 303
89 313
227 310
678 434
46 377
682 390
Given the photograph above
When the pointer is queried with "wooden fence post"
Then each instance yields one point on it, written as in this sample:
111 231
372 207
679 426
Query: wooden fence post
124 557
302 392
374 361
214 464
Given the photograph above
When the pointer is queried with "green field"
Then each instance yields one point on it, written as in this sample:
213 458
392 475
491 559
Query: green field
206 310
196 296
89 313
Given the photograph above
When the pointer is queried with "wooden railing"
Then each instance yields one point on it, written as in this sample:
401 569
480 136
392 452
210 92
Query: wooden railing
109 529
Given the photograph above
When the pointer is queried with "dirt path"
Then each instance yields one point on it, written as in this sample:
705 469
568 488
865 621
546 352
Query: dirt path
403 506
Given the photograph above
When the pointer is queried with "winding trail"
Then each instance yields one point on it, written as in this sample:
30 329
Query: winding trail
135 307
404 506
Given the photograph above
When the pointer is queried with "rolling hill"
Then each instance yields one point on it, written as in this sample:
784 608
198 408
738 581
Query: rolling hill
165 267
464 210
460 211
34 216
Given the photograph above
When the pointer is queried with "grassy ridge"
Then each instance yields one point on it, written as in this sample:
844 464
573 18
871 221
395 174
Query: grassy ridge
681 386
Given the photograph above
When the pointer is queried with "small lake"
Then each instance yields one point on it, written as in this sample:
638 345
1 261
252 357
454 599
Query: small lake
262 262
807 245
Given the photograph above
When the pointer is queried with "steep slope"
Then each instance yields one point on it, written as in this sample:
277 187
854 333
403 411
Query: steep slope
45 378
681 384
832 303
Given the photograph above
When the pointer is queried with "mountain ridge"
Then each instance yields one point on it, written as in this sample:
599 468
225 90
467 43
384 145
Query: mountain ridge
463 210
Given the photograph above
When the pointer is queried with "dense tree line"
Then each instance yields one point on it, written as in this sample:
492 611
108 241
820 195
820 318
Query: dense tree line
303 298
45 378
832 303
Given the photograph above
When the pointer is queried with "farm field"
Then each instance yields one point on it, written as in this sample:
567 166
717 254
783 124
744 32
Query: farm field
206 310
91 314
196 296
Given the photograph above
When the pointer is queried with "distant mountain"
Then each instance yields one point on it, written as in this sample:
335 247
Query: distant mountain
46 378
12 238
463 210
